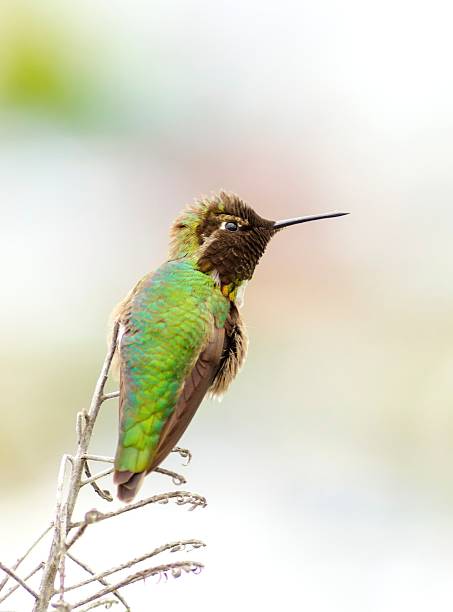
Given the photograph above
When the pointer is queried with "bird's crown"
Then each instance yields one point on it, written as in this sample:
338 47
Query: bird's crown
224 236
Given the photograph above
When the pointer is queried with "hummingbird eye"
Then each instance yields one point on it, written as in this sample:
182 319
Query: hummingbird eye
231 226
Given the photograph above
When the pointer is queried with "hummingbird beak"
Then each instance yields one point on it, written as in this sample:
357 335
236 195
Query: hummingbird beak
286 222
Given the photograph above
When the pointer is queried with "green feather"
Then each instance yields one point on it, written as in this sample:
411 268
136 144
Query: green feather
171 319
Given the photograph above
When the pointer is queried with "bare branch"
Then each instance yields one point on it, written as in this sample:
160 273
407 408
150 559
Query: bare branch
107 603
172 547
91 479
25 555
100 580
181 498
19 580
112 395
62 551
99 458
175 569
85 431
16 586
80 425
177 479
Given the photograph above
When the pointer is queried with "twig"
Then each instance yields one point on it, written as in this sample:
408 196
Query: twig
80 425
85 430
174 568
53 561
100 580
99 458
19 580
16 586
107 603
172 547
104 493
25 555
112 395
91 479
62 551
92 516
181 497
177 479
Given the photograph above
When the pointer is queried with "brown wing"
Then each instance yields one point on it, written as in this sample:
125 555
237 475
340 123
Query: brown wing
195 387
234 354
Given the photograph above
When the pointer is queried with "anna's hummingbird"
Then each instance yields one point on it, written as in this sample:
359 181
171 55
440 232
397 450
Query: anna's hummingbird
180 331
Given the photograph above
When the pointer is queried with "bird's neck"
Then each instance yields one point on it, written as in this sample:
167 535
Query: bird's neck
234 291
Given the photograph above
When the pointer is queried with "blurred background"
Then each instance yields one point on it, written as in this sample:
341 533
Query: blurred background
327 466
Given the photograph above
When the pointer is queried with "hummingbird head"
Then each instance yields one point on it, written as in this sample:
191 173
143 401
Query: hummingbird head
226 237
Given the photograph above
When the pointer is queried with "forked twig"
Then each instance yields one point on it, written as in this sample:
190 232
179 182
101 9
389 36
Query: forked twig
25 555
12 574
16 586
99 579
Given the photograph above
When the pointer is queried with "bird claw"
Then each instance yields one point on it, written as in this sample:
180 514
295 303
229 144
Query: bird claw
184 453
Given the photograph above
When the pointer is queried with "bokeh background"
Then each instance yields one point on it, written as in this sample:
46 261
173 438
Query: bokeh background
328 465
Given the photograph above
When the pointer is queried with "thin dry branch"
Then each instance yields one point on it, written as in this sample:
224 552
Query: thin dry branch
161 570
181 497
107 603
85 427
10 591
92 478
177 479
103 493
172 547
101 580
12 574
100 458
25 555
112 395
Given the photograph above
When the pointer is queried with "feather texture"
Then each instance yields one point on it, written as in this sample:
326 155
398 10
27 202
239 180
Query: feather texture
170 349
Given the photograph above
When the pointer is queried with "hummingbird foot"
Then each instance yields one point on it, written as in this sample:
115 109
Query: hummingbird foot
184 453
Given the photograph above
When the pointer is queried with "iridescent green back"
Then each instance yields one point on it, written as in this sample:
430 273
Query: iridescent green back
168 322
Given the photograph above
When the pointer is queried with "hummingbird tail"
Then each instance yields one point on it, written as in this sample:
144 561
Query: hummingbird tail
129 484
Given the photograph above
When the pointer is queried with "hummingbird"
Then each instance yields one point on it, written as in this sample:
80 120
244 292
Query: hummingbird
180 334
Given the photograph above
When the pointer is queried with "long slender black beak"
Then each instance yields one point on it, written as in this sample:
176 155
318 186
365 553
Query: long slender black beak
286 222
